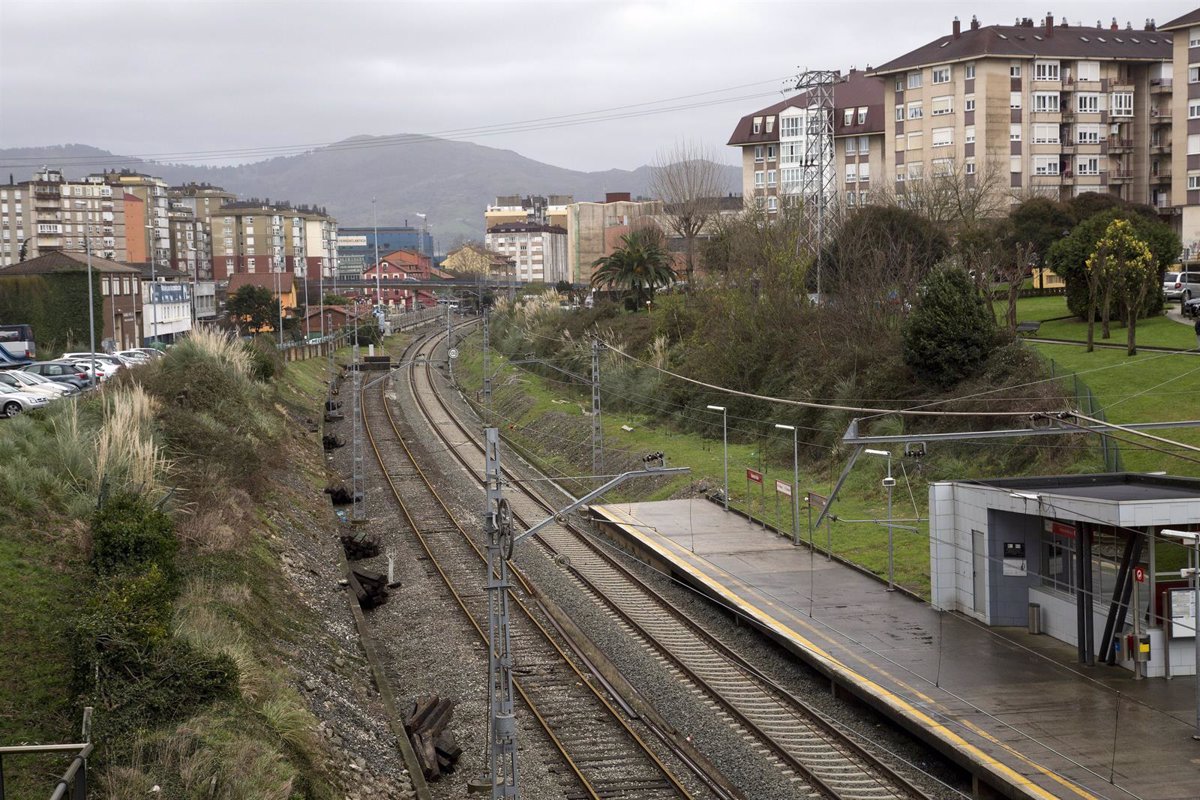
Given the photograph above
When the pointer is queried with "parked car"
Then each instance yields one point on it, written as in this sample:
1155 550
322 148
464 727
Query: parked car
61 372
13 402
106 365
1181 285
24 382
136 356
33 379
1191 308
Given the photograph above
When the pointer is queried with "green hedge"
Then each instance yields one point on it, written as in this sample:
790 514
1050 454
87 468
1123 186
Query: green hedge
56 306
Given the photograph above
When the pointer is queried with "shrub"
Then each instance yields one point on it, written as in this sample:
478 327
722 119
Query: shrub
265 359
128 534
951 331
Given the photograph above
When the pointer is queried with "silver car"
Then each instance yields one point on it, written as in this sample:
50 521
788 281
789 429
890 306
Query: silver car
1182 285
13 402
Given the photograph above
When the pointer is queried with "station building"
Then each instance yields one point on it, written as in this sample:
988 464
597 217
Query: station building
1077 557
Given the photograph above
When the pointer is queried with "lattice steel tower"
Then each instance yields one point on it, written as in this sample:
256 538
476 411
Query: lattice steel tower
818 177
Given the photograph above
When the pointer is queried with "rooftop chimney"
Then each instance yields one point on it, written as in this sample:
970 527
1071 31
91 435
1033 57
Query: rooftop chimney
1114 26
957 27
1147 26
974 23
1049 24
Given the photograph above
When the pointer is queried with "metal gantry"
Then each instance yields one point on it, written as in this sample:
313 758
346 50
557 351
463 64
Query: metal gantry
818 178
597 431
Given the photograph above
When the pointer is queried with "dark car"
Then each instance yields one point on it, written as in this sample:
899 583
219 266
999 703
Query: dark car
1192 307
62 372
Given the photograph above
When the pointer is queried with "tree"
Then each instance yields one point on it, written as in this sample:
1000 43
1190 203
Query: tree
251 308
951 330
1126 265
331 299
688 180
1038 223
640 265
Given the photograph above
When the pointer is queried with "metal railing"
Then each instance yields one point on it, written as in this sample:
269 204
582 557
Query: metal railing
1089 404
73 783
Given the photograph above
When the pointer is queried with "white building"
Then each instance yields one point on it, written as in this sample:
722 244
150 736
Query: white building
538 251
166 305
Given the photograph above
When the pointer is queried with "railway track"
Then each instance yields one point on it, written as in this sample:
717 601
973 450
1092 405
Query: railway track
821 758
607 758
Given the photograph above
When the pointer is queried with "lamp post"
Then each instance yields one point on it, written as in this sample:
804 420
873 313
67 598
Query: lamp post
888 483
1192 538
378 292
153 277
795 481
725 448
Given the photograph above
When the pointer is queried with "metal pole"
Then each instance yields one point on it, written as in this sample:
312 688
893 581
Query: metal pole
795 481
153 277
487 364
891 552
1196 629
449 344
725 448
279 300
321 304
375 225
87 240
597 430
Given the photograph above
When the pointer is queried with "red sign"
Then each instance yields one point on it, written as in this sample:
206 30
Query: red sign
1139 574
1060 529
753 475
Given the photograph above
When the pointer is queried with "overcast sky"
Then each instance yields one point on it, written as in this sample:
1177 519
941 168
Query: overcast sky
184 77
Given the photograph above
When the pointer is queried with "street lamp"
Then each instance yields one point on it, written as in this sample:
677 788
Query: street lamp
725 447
888 483
153 279
1192 538
378 292
795 481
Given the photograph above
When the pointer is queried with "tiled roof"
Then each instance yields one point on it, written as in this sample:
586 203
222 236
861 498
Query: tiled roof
856 91
1036 40
1186 21
66 261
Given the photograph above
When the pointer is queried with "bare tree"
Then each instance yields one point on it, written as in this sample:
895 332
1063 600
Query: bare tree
687 178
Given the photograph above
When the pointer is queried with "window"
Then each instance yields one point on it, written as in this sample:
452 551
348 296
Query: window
758 124
943 166
916 140
1057 559
1087 165
759 179
770 152
899 83
758 153
1014 132
1045 71
1193 144
969 134
862 116
1087 70
1194 109
1087 103
772 204
789 126
1087 134
864 144
851 173
941 74
1045 134
770 124
916 171
1193 73
969 71
970 166
848 116
1014 71
969 103
942 137
1122 104
942 105
103 283
915 110
771 179
900 113
1045 165
914 80
1046 102
1014 164
1014 99
1193 181
864 172
1194 37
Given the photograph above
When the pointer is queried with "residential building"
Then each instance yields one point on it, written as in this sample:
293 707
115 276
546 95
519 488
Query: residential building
51 213
328 319
1184 91
475 259
154 225
538 251
136 251
204 200
191 245
119 285
256 236
779 144
594 229
543 210
356 245
167 301
320 244
1042 108
401 265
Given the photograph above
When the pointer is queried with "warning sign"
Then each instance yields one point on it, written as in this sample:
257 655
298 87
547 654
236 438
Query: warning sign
754 475
782 487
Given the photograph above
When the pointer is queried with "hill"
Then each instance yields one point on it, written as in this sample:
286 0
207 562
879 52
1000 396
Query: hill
450 181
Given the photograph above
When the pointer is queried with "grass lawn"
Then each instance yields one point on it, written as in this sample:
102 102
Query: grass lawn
1156 332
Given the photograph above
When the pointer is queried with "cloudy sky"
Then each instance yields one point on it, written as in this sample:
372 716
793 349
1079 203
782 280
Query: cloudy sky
220 81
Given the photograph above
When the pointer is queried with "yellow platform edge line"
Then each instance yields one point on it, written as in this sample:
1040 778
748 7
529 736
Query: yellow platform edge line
630 526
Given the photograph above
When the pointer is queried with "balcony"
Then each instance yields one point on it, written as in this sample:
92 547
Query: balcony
1120 176
1120 145
1160 149
1161 85
1160 116
1162 176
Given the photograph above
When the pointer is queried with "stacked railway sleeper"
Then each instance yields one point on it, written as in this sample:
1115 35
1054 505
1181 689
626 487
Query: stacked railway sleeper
602 754
822 758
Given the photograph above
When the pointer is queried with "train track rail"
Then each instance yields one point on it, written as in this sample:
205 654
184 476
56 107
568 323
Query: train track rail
607 758
810 749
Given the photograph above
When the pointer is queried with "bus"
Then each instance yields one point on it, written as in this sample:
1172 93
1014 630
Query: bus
17 342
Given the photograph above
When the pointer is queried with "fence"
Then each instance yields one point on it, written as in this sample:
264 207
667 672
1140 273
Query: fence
1089 404
73 783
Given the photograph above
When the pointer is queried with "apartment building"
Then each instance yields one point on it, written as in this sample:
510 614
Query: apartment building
1047 108
356 246
539 251
1185 121
191 244
155 225
778 144
204 201
51 213
257 236
538 209
594 229
320 244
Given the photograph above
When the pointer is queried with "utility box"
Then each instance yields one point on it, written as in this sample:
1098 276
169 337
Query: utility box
1035 618
1141 651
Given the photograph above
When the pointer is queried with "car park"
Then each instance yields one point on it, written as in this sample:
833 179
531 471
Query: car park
61 372
1182 285
26 382
106 365
13 402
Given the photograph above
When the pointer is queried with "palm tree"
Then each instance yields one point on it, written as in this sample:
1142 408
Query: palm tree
640 265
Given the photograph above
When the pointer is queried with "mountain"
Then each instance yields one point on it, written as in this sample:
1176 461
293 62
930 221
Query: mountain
452 182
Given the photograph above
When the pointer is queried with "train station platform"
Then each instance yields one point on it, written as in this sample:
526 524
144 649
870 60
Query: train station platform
1012 708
